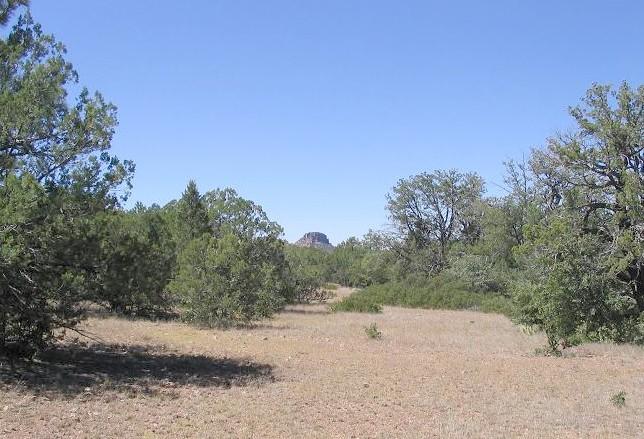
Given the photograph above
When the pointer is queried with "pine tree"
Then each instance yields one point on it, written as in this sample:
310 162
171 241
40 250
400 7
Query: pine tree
192 215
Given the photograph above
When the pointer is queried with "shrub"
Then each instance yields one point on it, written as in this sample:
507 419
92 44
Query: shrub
353 263
227 280
372 331
305 276
307 289
572 293
442 292
237 271
619 399
356 303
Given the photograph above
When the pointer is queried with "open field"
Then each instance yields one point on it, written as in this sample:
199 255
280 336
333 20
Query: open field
308 373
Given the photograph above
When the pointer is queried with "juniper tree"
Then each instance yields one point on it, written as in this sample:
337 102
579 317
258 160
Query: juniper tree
56 174
239 272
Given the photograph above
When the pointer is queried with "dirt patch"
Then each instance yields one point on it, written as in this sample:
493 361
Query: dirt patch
310 373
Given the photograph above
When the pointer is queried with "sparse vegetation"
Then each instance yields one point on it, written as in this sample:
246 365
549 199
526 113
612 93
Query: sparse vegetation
619 399
373 332
181 381
560 253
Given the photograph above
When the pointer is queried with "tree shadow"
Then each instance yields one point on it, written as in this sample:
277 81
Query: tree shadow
72 370
260 326
305 309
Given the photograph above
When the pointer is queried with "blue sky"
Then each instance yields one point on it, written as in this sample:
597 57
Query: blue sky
314 109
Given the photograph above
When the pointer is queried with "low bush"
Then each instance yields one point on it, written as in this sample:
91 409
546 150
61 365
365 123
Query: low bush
619 399
372 331
442 292
356 303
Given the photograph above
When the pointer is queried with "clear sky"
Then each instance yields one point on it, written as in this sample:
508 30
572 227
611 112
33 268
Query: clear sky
314 109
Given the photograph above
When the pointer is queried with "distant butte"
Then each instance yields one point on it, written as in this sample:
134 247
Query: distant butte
314 240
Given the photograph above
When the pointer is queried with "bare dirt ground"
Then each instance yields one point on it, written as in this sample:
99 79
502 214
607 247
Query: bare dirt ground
308 373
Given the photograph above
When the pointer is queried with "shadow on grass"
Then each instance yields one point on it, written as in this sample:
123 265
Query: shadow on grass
305 309
68 371
102 312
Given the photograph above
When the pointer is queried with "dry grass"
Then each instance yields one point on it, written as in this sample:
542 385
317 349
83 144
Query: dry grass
308 373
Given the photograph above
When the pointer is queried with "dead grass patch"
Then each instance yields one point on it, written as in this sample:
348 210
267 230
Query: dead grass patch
314 374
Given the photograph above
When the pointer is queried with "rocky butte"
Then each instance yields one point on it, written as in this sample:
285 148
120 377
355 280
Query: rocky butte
314 240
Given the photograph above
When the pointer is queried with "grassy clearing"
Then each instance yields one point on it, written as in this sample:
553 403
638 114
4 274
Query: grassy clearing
431 296
311 373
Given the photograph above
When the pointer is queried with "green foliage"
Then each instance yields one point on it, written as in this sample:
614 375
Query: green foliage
191 216
356 303
441 292
306 277
586 258
572 294
479 273
137 261
238 274
39 286
227 280
56 175
373 332
228 212
352 263
61 145
312 263
346 264
7 7
619 399
432 211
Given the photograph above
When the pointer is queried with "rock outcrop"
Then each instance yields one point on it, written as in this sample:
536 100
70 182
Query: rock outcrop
314 240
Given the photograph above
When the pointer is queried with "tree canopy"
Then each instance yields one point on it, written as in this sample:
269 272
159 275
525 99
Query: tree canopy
56 174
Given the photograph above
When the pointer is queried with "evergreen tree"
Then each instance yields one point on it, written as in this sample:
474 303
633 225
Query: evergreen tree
192 215
137 259
236 274
7 7
55 175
